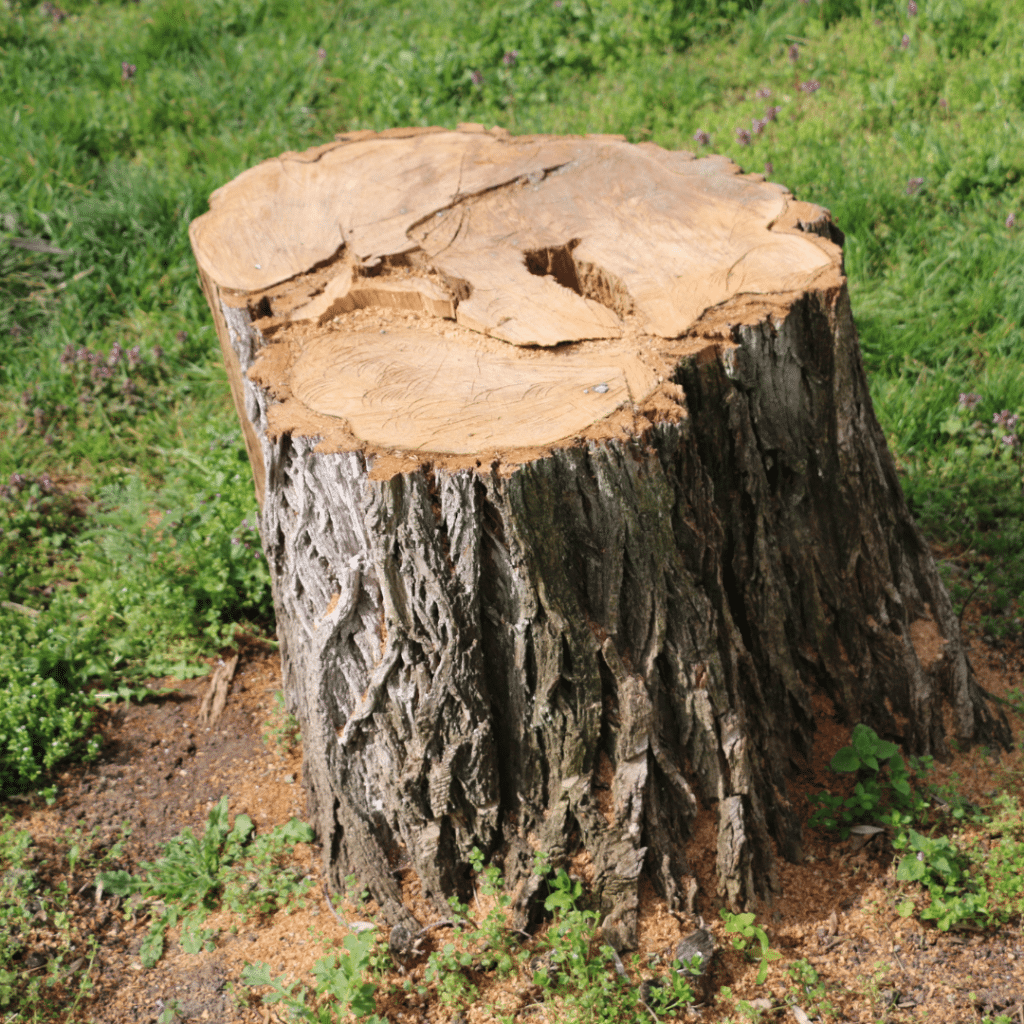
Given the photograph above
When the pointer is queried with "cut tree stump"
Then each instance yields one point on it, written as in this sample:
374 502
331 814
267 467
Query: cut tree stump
574 502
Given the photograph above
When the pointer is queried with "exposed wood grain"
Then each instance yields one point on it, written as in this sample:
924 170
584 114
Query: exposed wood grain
217 692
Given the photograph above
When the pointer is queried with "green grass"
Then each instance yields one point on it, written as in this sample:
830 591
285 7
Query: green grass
125 479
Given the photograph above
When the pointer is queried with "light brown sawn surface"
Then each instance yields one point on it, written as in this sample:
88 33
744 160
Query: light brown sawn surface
569 264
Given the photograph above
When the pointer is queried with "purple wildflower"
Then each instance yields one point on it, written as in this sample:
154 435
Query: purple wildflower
235 540
702 138
511 56
101 373
134 356
812 86
772 113
768 169
128 387
1005 419
914 186
942 102
969 399
45 483
912 8
67 357
321 54
794 53
743 136
1010 439
17 481
127 71
1011 220
181 337
764 94
757 125
477 78
116 351
905 41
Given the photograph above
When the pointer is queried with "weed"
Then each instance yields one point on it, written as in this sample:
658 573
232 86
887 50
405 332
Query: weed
809 992
883 790
969 879
36 915
229 865
283 728
340 986
745 934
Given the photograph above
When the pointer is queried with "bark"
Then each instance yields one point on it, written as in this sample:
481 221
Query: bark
589 646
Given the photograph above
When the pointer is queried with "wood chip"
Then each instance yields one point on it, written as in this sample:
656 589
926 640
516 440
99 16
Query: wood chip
217 693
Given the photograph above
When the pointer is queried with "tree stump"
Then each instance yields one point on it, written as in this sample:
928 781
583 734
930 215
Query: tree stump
574 500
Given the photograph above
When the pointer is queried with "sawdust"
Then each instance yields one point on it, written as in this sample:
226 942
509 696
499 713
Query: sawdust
837 910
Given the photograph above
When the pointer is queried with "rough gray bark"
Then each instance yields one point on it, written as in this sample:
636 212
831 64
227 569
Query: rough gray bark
585 650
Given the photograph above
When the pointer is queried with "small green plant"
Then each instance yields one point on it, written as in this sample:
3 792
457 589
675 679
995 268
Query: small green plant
283 727
977 882
808 990
490 946
751 939
193 877
341 986
171 1011
884 788
671 996
37 927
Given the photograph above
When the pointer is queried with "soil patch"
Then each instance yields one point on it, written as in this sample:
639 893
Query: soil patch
162 772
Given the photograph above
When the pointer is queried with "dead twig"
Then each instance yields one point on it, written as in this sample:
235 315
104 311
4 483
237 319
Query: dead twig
21 609
446 923
330 906
38 245
899 959
75 277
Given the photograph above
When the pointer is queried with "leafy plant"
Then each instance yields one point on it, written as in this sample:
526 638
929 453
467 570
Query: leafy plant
883 789
228 865
37 927
746 933
809 991
283 728
968 881
340 988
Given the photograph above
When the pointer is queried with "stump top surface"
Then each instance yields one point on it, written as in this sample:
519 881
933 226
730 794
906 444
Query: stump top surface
601 252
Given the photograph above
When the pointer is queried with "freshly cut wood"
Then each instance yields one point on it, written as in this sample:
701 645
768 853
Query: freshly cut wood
216 696
575 505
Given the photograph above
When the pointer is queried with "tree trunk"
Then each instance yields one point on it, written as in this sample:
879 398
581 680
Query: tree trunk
573 498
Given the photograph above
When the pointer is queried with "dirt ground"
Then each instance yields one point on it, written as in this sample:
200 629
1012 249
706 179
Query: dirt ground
161 772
